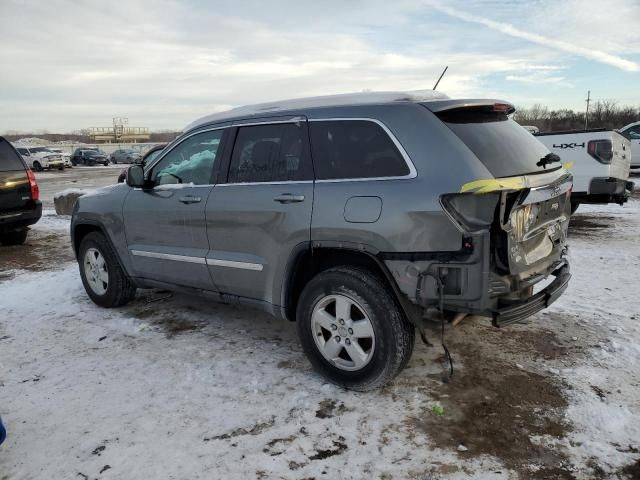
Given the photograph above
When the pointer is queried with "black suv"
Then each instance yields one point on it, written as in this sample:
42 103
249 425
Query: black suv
19 204
89 156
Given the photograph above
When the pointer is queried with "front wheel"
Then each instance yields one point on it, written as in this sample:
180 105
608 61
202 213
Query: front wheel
102 277
352 330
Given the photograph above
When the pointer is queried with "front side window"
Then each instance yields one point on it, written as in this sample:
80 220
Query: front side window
270 153
192 161
344 149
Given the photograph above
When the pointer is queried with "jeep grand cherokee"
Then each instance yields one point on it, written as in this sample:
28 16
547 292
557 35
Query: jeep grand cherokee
349 214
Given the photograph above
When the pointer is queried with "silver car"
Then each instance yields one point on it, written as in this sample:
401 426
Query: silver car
125 155
356 216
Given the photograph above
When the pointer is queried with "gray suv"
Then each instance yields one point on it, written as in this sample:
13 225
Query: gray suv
357 216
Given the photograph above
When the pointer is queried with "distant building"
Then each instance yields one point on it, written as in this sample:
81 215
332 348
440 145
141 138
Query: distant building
121 132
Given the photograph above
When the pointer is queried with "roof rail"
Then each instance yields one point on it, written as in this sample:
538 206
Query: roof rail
361 98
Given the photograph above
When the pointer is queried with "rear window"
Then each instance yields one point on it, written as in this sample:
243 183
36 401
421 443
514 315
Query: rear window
503 146
9 159
344 149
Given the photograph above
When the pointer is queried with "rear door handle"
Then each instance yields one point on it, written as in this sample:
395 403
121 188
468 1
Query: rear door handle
289 198
190 199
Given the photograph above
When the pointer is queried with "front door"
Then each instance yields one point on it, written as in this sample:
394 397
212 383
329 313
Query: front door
263 212
165 225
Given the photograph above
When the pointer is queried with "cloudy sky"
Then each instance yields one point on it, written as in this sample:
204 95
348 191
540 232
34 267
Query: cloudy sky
67 65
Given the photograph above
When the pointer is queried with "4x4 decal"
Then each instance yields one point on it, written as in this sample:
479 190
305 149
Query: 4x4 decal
568 145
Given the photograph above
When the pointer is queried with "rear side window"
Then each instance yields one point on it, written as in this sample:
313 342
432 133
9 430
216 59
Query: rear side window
344 149
271 153
503 146
9 159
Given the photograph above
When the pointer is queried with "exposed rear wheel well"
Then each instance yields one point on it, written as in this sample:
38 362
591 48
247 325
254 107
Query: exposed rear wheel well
311 262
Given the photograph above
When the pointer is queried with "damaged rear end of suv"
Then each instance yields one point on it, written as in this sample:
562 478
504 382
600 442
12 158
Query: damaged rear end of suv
512 259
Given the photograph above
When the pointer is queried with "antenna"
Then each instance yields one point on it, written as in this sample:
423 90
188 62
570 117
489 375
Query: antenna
440 78
586 114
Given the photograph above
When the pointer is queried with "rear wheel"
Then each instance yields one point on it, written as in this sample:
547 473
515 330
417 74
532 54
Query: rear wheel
37 166
17 237
352 330
102 277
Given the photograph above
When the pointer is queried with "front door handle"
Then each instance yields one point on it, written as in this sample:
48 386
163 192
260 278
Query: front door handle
190 199
289 198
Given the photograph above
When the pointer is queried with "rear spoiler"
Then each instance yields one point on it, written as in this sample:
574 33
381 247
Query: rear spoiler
437 106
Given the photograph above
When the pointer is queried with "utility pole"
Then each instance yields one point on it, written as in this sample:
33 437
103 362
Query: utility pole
586 114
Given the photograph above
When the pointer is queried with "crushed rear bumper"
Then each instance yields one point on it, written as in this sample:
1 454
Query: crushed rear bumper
519 311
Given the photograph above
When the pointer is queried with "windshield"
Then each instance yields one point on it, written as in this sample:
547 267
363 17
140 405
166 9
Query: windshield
503 146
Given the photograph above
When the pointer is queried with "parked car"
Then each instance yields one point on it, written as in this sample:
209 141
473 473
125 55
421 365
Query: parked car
125 155
632 132
41 158
89 157
66 157
20 205
418 200
77 157
599 161
148 157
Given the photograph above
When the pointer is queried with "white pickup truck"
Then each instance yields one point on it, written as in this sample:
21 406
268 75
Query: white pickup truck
41 158
599 160
632 132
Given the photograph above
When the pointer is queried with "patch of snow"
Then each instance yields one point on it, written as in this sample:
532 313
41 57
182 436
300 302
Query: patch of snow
71 191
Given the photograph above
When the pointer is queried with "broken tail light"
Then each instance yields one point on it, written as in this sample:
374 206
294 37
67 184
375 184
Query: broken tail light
470 212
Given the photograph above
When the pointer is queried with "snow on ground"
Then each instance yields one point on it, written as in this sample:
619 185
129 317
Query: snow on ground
173 386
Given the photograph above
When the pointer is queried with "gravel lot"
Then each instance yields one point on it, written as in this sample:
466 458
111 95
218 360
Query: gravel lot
173 386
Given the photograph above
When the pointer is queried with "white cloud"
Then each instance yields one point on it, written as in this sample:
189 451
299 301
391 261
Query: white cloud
547 41
165 63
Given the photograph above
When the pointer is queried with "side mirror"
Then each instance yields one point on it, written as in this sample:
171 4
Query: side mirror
135 176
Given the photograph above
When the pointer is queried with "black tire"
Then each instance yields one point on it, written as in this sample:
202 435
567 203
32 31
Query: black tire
114 161
394 335
574 207
37 166
119 289
17 237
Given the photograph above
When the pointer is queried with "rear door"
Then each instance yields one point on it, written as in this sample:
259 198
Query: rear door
15 192
165 225
262 213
